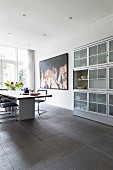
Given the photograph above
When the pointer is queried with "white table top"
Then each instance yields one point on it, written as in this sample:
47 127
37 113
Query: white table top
18 96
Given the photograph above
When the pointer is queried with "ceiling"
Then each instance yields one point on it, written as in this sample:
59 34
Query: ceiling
47 20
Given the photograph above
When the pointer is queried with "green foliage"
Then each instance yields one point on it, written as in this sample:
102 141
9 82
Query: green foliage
12 86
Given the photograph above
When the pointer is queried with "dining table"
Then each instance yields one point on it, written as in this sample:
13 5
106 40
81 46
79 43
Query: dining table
25 101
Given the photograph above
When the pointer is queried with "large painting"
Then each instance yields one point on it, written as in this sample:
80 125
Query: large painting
54 72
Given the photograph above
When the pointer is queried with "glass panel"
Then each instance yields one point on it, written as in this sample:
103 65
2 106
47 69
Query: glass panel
111 45
93 50
93 60
77 104
84 96
7 53
76 63
111 99
83 53
83 105
22 66
77 55
92 97
101 84
111 110
93 83
101 73
83 62
111 84
102 108
101 58
101 48
22 74
92 74
93 107
77 96
110 72
102 98
111 57
9 72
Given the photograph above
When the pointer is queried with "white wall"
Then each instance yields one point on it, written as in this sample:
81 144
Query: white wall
97 31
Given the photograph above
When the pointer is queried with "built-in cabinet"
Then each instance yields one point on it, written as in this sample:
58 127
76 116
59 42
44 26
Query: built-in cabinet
93 78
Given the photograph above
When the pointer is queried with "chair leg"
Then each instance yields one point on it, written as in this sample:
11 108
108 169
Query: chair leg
41 111
11 117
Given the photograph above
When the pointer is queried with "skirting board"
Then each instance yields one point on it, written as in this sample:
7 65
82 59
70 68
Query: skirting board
95 117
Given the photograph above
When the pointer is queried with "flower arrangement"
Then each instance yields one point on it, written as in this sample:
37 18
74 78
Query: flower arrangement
13 86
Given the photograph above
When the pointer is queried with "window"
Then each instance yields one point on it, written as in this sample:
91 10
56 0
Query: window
22 66
13 65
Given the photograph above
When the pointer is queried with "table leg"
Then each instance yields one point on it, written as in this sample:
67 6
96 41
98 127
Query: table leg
26 108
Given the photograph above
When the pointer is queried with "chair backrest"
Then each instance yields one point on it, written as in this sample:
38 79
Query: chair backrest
42 91
3 90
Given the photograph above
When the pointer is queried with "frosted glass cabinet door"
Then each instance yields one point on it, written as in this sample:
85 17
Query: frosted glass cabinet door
93 60
93 107
111 84
110 105
76 63
111 110
111 99
110 78
77 104
83 106
111 45
111 51
92 97
101 98
83 62
102 48
80 96
111 57
83 53
80 105
102 73
97 54
101 84
110 72
77 55
102 58
102 108
84 96
92 74
77 96
93 50
93 83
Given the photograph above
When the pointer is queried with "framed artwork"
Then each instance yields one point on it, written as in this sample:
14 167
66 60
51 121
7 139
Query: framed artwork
54 72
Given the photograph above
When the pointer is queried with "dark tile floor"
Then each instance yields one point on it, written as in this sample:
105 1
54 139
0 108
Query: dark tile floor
56 140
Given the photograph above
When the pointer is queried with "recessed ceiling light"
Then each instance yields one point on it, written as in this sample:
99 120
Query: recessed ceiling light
24 15
70 17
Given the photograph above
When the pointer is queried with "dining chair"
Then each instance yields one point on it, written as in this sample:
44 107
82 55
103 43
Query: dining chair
41 100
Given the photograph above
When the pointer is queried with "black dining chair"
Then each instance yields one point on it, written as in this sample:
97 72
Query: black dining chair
40 100
10 109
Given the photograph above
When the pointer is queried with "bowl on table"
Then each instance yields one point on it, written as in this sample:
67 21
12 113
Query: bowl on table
34 94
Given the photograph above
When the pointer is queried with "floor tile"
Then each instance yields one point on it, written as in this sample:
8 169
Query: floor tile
89 159
104 144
